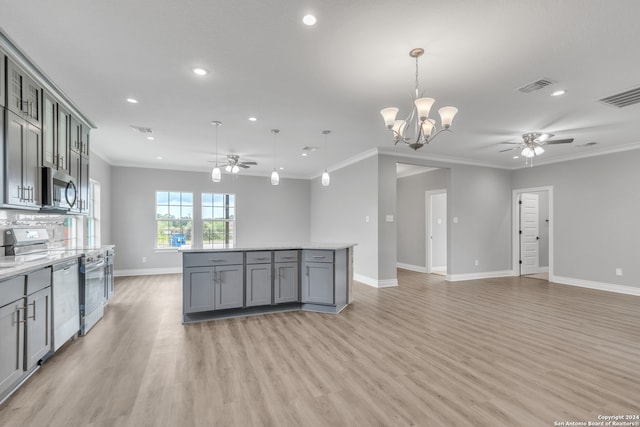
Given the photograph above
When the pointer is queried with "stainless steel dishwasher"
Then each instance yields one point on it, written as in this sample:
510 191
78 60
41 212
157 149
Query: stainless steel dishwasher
66 302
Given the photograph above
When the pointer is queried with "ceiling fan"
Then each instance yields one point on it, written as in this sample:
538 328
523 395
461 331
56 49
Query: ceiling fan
234 164
532 143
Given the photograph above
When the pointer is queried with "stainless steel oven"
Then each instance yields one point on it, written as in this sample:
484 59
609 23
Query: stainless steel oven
92 295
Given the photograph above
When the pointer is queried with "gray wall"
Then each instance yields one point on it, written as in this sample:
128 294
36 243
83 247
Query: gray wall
265 214
438 219
338 212
595 209
411 205
100 171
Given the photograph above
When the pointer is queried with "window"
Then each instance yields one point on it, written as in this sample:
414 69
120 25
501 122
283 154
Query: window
93 219
218 220
174 219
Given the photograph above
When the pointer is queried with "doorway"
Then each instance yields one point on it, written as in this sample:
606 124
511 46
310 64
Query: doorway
436 236
533 232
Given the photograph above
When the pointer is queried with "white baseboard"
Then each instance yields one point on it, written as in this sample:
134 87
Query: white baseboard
388 283
411 267
621 289
479 275
147 271
543 269
442 269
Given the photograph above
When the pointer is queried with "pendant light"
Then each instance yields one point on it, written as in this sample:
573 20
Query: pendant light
326 179
216 175
275 178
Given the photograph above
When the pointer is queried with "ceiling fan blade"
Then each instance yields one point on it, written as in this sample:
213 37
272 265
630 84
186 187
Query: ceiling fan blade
561 141
242 165
510 142
250 163
508 149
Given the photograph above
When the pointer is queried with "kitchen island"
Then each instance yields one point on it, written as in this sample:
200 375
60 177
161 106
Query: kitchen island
233 282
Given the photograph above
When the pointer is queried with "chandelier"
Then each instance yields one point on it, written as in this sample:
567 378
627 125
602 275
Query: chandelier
423 129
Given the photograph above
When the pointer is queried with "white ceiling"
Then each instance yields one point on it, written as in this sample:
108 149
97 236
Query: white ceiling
336 75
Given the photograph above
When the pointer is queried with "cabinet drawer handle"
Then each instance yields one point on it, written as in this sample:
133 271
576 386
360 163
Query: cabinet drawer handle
216 260
319 257
289 257
262 259
18 310
34 311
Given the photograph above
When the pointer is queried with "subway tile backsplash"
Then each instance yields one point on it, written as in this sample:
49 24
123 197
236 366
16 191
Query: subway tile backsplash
62 229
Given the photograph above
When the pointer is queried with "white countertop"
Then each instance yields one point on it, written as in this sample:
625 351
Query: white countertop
330 246
24 264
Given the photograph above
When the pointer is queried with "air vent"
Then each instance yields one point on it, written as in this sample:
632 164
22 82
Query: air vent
623 99
142 129
537 85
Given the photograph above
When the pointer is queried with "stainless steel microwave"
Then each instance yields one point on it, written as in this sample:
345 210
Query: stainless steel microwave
59 190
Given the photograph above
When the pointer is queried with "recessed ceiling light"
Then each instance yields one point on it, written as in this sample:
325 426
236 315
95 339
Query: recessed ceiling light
253 119
516 157
305 154
558 92
159 158
309 20
150 138
281 168
132 100
200 71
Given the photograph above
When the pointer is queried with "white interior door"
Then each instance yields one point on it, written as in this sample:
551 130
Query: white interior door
529 234
437 232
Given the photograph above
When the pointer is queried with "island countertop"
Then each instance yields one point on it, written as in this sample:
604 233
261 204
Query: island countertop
330 246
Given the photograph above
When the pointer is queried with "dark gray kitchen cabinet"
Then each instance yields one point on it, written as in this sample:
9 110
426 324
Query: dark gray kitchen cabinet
38 326
22 162
55 134
24 94
74 171
79 136
2 80
258 284
83 184
11 332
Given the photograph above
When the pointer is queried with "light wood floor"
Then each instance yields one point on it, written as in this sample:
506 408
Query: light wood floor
495 352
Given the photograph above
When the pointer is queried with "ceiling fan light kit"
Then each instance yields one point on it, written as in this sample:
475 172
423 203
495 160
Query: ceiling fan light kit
326 179
532 143
423 128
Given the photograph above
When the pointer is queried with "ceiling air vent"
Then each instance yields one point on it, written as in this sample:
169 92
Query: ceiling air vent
623 99
142 129
537 85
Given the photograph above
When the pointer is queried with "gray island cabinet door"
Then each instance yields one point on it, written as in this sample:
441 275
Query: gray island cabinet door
38 332
199 290
286 282
258 284
317 283
229 287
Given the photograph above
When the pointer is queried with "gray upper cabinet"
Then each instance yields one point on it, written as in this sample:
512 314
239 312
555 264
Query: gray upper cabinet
24 94
83 185
2 80
79 137
22 162
56 125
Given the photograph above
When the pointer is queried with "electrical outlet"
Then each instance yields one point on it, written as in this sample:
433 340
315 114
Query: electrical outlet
144 259
476 263
618 272
366 219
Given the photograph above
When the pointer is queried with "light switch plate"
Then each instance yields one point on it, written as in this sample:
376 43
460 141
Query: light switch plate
389 218
455 219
